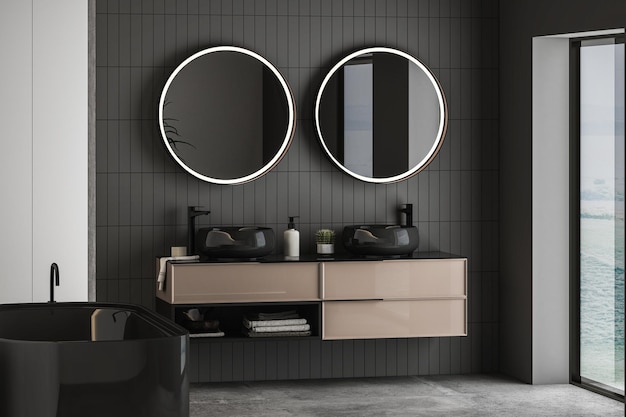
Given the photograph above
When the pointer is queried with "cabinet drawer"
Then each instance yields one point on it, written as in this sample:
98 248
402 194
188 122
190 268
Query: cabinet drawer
394 279
240 282
391 319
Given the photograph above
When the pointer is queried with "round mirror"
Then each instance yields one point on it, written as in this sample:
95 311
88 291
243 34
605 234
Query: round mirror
381 115
226 115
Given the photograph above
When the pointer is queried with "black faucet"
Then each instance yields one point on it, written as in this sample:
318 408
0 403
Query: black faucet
54 280
407 209
192 213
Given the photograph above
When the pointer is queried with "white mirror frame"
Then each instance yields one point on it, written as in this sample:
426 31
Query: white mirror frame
291 127
443 117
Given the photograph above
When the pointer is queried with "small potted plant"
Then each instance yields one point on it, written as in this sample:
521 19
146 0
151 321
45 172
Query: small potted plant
325 240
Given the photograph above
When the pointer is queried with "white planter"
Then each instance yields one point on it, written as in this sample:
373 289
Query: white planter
325 248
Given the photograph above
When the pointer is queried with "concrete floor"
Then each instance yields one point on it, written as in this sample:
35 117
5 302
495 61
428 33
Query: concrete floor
465 395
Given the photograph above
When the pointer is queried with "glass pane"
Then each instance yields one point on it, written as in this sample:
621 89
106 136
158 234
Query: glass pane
359 118
602 214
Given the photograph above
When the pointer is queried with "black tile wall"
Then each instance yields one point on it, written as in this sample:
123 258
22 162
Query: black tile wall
142 195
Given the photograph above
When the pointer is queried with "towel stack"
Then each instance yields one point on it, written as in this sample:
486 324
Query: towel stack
284 323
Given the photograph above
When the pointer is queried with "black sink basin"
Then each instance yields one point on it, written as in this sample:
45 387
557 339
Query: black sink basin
235 242
380 239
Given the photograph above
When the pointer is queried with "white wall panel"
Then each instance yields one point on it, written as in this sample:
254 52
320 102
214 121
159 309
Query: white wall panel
16 154
550 211
60 155
43 166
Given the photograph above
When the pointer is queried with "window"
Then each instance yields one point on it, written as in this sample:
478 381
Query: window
598 188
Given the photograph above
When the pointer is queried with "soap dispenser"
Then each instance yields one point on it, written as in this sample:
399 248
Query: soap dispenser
292 239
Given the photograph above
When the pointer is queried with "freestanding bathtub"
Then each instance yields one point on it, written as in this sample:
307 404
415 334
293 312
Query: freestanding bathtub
91 359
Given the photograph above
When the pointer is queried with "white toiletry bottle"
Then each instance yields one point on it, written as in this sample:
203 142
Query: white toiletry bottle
292 239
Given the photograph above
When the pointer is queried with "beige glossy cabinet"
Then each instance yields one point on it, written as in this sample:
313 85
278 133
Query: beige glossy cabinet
393 279
367 299
366 319
250 282
395 298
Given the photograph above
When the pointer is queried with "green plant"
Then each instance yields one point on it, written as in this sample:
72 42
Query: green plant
325 236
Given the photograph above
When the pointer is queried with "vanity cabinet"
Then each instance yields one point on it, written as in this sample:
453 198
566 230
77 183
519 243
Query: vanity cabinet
253 282
394 298
229 291
342 299
393 279
378 319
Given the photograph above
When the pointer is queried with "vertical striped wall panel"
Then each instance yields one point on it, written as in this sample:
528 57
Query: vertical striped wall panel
142 195
215 361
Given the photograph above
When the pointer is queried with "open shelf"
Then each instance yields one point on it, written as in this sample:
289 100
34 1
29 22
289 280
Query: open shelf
231 316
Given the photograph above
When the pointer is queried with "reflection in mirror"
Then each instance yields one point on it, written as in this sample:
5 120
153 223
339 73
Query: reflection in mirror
381 115
226 115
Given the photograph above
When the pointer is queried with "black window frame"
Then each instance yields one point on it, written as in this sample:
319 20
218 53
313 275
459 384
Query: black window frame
574 293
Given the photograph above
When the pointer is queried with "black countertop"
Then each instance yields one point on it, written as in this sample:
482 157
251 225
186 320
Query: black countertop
339 257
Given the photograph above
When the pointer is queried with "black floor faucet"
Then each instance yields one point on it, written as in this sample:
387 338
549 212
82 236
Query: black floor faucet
54 280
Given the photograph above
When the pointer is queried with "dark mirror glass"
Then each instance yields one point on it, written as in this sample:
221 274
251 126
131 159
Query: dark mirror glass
381 115
226 115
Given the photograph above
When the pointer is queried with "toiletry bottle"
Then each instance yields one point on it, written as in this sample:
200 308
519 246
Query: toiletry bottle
292 239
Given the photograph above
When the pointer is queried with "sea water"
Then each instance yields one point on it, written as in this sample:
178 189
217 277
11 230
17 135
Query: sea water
602 298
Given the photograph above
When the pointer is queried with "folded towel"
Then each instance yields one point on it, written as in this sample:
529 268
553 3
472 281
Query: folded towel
291 314
294 328
252 324
252 333
217 333
163 267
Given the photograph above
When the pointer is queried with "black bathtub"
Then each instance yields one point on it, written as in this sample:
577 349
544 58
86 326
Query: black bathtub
91 359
